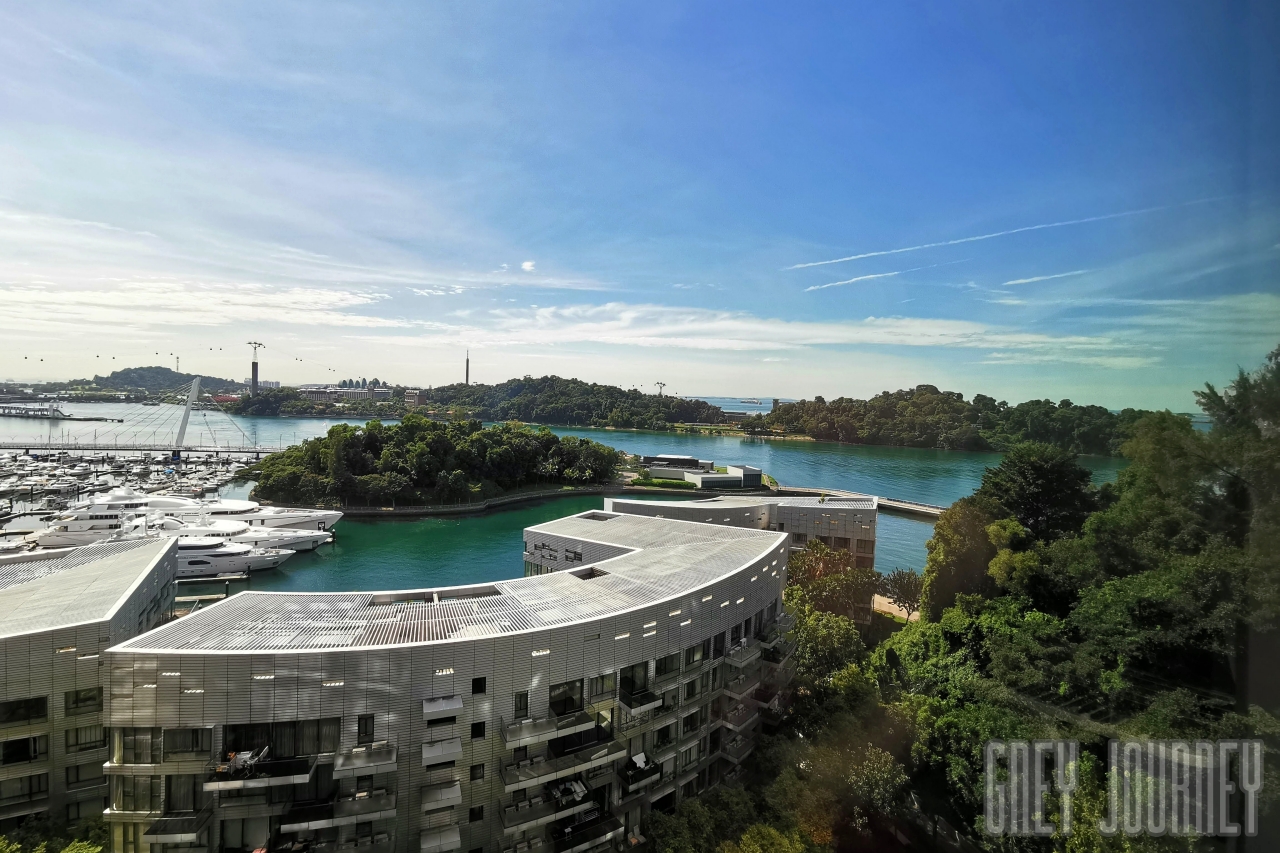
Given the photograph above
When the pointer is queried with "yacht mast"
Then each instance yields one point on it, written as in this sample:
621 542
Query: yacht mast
186 415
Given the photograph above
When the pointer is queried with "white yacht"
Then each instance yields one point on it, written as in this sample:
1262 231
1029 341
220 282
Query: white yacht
72 529
112 504
209 558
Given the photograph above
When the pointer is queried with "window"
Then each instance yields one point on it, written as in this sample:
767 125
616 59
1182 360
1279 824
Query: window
477 772
136 793
23 710
566 697
866 546
522 704
441 721
23 750
604 684
83 701
718 645
188 741
798 538
364 729
478 685
81 775
475 814
634 678
667 665
477 731
697 654
691 688
841 543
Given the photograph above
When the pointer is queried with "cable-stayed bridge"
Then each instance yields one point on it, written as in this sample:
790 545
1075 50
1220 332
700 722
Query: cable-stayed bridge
173 427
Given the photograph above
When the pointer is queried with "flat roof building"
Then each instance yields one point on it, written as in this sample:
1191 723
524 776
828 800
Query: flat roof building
60 614
630 668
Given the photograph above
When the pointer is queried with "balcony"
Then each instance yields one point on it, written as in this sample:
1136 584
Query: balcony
780 674
181 828
538 729
743 654
779 651
443 795
545 808
538 771
379 757
639 701
439 751
341 812
238 776
445 706
741 716
379 842
23 804
440 840
592 827
636 778
740 686
737 748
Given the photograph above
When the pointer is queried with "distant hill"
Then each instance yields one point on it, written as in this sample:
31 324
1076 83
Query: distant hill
155 379
572 402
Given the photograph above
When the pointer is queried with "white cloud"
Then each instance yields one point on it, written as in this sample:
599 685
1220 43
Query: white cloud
1046 277
527 266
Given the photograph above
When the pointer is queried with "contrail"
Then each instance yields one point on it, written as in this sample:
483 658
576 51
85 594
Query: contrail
882 275
1046 277
994 234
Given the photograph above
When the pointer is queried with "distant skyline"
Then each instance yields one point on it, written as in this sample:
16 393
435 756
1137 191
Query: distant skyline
1024 201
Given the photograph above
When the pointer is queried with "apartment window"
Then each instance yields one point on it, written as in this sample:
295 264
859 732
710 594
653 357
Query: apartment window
83 775
841 543
566 697
24 750
364 729
475 814
188 742
604 684
441 721
691 689
136 793
84 701
667 665
477 731
664 736
477 772
634 678
23 710
135 745
717 646
697 654
866 546
799 538
478 685
522 705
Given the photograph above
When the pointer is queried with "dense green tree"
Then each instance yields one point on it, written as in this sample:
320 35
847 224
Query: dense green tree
1043 487
425 461
904 588
959 554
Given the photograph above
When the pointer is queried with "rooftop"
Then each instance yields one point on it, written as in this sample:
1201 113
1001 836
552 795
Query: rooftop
86 585
837 502
662 559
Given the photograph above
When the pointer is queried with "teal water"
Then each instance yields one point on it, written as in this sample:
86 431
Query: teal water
389 554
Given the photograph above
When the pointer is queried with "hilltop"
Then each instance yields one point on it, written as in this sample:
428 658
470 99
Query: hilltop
156 379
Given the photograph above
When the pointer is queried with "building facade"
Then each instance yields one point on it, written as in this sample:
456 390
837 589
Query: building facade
60 615
630 668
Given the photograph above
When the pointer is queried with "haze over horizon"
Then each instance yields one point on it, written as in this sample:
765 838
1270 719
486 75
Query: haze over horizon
1077 202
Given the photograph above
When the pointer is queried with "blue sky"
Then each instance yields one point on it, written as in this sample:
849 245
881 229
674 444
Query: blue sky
756 198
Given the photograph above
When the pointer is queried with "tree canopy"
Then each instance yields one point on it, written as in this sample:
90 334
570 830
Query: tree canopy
420 461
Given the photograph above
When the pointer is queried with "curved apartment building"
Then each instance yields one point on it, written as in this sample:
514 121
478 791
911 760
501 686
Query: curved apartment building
631 667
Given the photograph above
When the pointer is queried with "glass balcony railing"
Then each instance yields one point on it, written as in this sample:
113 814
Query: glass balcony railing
585 834
741 716
379 757
442 840
235 775
538 729
740 686
538 771
340 812
639 701
544 808
737 748
179 828
779 651
744 653
637 778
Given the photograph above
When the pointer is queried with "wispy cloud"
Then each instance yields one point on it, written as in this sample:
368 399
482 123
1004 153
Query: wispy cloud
994 234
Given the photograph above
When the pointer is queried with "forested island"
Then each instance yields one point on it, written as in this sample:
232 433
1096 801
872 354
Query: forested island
927 417
1052 609
420 461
